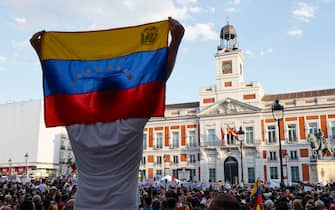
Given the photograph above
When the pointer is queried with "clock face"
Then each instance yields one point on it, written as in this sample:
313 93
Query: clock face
226 68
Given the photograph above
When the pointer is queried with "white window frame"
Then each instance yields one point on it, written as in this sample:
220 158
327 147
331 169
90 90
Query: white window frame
212 174
211 134
273 155
192 158
273 134
295 173
313 130
332 130
192 138
145 141
159 140
292 133
274 172
175 139
251 174
294 155
249 135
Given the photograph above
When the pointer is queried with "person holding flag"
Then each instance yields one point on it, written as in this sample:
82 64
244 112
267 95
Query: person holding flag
256 196
104 86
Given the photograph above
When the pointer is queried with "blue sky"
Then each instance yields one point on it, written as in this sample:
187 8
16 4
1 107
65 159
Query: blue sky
288 45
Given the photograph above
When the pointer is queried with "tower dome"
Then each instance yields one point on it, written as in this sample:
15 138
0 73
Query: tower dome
228 32
228 38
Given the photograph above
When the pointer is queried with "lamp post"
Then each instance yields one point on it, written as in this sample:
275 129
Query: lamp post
286 158
26 156
278 115
10 166
240 135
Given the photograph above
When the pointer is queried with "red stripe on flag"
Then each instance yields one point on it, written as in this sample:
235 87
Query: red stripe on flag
232 132
222 134
147 100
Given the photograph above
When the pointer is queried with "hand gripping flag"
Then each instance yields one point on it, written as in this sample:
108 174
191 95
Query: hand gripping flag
102 76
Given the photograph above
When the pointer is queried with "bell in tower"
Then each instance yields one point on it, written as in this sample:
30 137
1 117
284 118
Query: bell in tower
228 38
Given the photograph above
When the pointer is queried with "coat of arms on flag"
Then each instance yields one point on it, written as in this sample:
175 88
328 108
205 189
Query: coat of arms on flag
102 76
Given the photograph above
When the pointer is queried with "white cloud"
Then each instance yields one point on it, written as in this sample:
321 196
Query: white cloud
195 9
186 1
266 51
20 20
212 9
236 1
128 4
102 14
230 10
296 33
261 52
305 11
326 1
249 52
200 31
2 59
20 45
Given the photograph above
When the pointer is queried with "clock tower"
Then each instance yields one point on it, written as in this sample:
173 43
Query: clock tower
229 62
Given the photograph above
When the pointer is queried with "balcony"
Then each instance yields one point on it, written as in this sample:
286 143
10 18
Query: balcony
212 144
273 159
191 145
157 147
173 146
291 141
271 142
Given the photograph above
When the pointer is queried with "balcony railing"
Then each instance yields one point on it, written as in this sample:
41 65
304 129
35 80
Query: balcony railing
191 145
212 143
219 143
273 141
291 141
273 159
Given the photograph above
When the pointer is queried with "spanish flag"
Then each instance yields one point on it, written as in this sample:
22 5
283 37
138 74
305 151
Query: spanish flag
232 132
102 76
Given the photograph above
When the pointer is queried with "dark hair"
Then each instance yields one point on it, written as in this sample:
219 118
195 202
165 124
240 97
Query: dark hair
147 200
27 205
224 202
171 202
156 204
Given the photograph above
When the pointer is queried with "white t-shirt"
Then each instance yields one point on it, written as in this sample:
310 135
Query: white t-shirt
107 157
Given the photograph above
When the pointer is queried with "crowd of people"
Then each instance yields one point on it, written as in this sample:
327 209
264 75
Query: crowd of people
59 193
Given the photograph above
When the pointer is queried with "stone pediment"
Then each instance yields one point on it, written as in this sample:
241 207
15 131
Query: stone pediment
227 107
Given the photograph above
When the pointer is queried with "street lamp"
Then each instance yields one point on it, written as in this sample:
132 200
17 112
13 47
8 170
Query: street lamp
278 114
240 135
286 158
26 156
10 166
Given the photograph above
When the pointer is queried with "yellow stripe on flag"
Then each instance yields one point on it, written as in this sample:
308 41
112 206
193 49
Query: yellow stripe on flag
104 44
254 189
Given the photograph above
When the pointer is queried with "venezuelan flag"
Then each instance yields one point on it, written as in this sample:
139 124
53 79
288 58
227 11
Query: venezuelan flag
256 196
102 76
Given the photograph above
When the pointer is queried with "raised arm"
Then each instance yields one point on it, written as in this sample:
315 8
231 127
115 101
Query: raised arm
177 33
